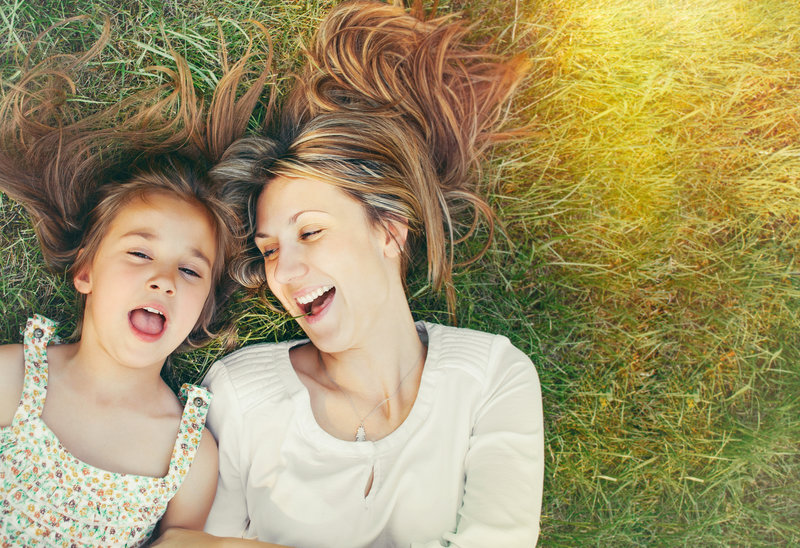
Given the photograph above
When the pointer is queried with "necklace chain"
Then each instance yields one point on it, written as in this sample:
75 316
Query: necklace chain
361 434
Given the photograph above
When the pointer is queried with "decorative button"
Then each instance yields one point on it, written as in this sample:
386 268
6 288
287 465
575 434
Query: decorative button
38 333
199 402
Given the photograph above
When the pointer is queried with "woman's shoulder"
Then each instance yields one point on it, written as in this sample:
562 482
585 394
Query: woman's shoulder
260 353
477 353
461 334
253 374
471 344
486 365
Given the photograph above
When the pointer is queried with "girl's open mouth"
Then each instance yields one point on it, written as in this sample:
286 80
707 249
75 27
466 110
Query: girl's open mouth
147 323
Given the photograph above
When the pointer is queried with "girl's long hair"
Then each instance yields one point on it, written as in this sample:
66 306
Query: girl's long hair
398 111
73 172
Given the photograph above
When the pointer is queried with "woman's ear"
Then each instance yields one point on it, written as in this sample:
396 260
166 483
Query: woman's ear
396 236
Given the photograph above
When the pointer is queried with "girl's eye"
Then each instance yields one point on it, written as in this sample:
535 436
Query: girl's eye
269 253
190 272
139 254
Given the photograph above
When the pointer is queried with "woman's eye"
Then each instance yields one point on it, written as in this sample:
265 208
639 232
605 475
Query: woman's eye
190 272
305 235
269 253
139 254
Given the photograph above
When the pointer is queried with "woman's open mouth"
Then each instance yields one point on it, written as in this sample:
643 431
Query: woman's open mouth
314 303
147 323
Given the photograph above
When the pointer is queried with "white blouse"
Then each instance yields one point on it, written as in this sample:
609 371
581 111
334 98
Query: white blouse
465 467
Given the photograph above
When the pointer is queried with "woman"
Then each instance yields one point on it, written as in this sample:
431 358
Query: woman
376 430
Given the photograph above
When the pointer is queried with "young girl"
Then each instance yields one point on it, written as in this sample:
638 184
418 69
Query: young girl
376 430
95 449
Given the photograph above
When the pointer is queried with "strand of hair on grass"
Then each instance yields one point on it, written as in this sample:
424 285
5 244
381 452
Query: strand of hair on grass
99 44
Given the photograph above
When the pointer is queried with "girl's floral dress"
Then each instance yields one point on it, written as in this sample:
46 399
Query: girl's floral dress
50 498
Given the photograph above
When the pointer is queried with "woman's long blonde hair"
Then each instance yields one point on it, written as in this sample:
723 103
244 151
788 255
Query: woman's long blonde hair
397 111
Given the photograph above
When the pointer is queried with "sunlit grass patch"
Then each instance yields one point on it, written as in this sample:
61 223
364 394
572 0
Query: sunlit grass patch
668 138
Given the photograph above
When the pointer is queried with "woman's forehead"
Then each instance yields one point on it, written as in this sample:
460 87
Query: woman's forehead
286 201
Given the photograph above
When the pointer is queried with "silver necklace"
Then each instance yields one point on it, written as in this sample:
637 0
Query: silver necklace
361 434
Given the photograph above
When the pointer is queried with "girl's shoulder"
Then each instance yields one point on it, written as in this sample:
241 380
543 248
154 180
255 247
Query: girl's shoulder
12 371
11 356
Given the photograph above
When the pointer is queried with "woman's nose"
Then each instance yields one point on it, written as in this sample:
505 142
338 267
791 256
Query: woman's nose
289 265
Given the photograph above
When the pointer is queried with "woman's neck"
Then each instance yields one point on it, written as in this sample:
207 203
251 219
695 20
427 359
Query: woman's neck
379 364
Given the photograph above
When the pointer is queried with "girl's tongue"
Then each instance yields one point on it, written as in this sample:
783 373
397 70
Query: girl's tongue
147 322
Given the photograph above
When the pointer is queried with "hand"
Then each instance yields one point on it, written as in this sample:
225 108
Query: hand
175 537
184 537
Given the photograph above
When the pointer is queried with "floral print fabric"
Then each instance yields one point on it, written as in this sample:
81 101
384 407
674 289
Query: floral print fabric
50 498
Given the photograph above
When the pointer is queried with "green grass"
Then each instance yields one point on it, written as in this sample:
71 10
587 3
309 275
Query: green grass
651 263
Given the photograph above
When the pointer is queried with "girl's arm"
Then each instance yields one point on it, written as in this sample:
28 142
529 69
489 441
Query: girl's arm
12 373
189 507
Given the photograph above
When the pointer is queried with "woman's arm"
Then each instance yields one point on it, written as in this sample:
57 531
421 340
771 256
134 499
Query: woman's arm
229 516
505 460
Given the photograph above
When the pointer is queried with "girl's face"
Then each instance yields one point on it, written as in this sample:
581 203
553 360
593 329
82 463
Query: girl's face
331 268
148 282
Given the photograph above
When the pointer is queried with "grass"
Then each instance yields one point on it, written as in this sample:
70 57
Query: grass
653 274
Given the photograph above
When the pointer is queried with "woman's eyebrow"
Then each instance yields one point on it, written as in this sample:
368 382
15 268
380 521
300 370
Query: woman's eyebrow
292 220
297 215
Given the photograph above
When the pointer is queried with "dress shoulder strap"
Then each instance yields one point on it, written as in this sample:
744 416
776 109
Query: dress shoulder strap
196 401
37 333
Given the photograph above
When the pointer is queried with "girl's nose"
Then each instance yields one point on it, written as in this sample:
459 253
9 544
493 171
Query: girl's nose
162 282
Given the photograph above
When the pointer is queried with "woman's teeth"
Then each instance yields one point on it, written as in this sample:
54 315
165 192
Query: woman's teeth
309 297
153 310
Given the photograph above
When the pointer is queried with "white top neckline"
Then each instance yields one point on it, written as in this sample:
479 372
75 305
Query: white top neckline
311 429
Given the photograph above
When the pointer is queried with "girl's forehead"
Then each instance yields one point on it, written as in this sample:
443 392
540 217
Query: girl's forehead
140 207
166 218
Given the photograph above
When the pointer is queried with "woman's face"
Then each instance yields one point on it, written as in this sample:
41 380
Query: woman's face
330 267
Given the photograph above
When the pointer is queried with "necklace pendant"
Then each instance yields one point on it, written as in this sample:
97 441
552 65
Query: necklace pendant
361 434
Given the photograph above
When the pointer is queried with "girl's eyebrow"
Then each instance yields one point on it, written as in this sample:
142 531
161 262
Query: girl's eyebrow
141 233
194 252
292 220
